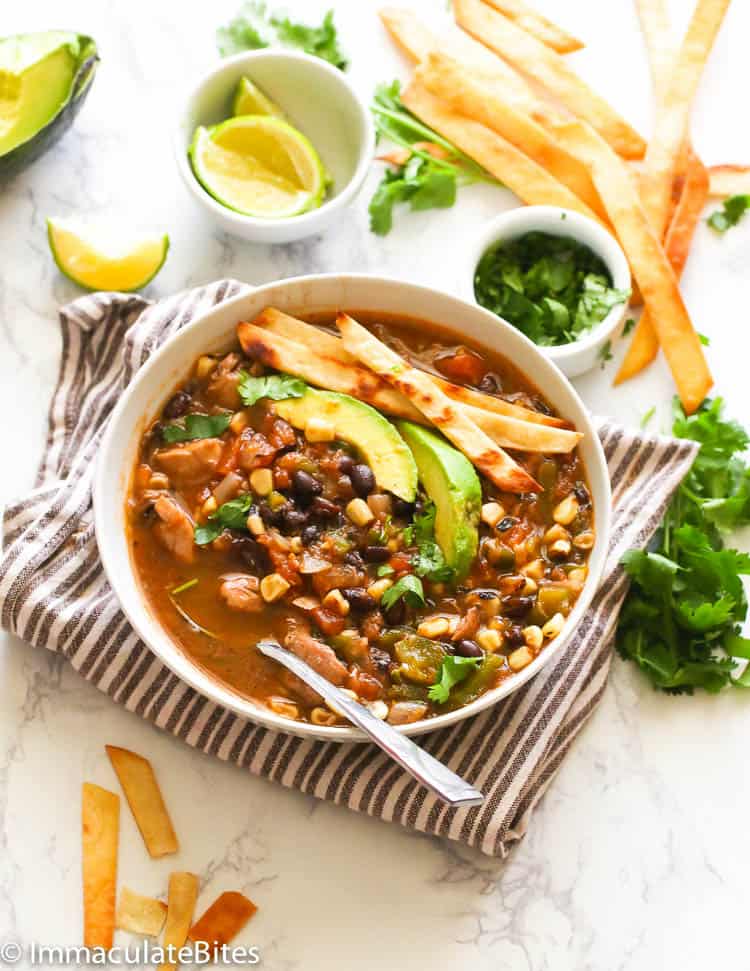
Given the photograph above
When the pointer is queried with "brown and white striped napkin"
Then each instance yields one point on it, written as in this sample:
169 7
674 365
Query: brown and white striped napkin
53 593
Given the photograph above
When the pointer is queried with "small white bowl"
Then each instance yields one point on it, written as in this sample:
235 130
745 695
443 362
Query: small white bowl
318 99
581 355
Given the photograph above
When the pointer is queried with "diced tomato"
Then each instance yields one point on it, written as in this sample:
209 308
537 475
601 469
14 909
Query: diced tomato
365 685
464 366
281 478
228 460
400 562
328 622
255 451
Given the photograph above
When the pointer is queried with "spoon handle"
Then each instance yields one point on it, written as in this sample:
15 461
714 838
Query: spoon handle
426 769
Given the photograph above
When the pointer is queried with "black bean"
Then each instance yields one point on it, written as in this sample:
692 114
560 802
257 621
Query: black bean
506 523
345 464
354 559
514 636
177 405
402 509
359 599
271 517
516 606
582 494
253 556
395 615
324 508
376 554
362 478
310 534
381 659
468 648
305 486
491 383
294 519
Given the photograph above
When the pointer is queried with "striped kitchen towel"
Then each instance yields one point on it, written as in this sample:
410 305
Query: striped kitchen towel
53 593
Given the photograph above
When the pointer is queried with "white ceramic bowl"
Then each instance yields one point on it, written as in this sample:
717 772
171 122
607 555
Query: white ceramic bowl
318 99
143 399
572 359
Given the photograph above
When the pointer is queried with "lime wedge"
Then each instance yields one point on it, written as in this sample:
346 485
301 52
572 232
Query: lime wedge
258 165
250 100
93 260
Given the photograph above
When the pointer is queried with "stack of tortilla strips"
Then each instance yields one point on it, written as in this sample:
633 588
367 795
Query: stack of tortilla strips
499 88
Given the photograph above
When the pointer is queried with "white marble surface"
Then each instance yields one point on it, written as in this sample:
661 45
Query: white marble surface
637 857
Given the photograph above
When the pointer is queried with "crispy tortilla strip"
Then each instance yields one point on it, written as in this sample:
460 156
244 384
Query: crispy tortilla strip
442 412
144 797
538 26
472 94
360 382
181 899
658 283
673 111
140 915
223 920
330 346
550 70
729 180
100 818
529 181
644 345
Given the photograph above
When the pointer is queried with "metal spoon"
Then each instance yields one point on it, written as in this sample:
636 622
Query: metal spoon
437 777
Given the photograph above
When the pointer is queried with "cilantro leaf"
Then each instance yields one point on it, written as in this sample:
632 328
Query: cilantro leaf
196 426
429 561
230 515
254 27
409 589
629 325
277 387
453 670
732 210
421 183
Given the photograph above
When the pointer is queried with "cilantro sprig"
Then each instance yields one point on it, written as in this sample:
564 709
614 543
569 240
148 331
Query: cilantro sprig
429 561
196 426
453 671
276 387
731 212
229 515
409 589
681 621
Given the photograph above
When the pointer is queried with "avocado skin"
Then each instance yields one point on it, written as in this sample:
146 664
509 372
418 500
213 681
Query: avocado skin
451 481
23 155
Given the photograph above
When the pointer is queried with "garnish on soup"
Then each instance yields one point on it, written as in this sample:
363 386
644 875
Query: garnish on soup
416 525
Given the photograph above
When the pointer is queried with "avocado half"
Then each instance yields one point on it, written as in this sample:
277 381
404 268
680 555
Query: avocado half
451 481
44 80
366 429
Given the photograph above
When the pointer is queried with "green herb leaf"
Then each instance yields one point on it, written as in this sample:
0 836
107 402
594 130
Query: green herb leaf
319 41
385 570
196 426
254 27
629 325
409 589
230 515
277 387
605 353
429 561
646 420
248 31
453 670
732 210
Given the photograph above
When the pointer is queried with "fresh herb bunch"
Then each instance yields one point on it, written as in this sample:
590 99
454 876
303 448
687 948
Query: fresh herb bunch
254 27
432 168
732 210
681 618
551 288
196 426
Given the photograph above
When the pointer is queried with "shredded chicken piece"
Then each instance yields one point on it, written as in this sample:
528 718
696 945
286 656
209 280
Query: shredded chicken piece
406 712
222 388
192 462
240 591
318 655
175 528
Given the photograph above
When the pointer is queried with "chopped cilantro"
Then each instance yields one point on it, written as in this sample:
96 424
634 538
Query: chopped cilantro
629 325
551 288
409 589
453 670
429 561
385 570
645 421
273 386
732 210
196 426
605 353
230 515
681 619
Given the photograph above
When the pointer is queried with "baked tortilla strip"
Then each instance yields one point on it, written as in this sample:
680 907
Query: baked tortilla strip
139 914
550 70
658 283
417 386
295 358
644 345
529 181
332 347
728 180
100 825
223 920
472 94
142 791
538 26
181 900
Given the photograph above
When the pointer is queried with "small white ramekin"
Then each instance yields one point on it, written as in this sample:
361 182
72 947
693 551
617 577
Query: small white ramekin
318 99
581 355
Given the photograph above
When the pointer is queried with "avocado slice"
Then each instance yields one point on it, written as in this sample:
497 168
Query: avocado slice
450 480
366 429
44 78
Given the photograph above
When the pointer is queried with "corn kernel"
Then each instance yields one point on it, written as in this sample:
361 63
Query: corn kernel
520 658
282 706
534 570
359 512
319 430
584 541
566 511
553 626
321 716
295 544
238 422
209 506
334 600
434 627
529 587
261 482
490 640
377 589
205 366
379 709
533 637
492 513
577 578
559 549
255 524
556 532
272 587
158 481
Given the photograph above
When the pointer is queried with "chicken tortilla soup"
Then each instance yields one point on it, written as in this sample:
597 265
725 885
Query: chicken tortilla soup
401 509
